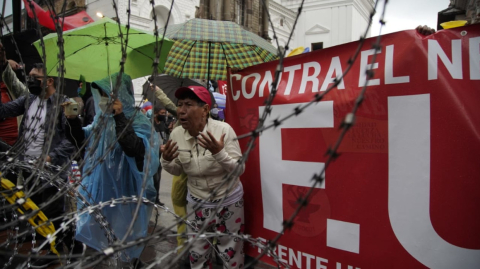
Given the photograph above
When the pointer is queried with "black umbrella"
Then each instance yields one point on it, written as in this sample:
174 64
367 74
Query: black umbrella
169 85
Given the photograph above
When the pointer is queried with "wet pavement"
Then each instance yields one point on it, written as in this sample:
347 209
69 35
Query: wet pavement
161 247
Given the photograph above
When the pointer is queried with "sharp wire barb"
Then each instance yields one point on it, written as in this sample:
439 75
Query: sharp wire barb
42 175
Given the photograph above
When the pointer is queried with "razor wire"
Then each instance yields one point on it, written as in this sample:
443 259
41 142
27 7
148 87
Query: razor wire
347 123
90 209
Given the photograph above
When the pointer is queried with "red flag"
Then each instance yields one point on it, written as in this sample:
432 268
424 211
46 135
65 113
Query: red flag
45 17
222 87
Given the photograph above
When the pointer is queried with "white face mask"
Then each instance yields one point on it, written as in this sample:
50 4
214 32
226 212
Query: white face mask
214 111
103 103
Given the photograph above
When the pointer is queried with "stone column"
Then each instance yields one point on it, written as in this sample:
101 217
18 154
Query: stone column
122 6
227 10
218 10
202 14
265 21
212 11
249 14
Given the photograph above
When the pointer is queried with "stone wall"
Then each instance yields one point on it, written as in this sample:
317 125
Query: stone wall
227 10
71 4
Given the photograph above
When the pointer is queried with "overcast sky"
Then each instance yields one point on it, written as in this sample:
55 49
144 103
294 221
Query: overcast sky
408 14
8 7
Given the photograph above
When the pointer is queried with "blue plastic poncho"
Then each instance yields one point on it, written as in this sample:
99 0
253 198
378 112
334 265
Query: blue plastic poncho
118 175
149 114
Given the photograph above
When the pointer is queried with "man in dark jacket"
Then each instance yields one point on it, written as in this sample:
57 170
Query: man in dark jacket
39 110
88 105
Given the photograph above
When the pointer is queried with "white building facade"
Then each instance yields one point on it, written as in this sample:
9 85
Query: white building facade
331 22
142 12
324 22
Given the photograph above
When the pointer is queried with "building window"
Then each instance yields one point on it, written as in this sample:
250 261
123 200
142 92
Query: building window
240 12
317 46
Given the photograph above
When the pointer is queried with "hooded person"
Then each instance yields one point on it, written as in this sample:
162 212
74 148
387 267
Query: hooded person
134 158
88 112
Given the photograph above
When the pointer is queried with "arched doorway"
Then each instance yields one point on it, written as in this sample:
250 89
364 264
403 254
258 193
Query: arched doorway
162 15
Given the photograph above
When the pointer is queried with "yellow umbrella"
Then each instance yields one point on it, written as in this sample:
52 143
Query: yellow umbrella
453 24
296 51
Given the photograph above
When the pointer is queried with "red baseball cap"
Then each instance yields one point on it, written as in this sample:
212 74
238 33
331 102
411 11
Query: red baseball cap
199 91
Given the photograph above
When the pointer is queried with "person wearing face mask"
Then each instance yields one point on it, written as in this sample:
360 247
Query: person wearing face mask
38 110
129 161
160 124
214 113
37 107
160 121
85 93
179 183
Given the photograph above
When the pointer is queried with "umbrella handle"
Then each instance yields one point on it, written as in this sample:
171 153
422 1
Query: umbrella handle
208 75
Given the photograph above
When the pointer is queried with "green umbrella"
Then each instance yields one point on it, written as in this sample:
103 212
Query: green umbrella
94 51
203 49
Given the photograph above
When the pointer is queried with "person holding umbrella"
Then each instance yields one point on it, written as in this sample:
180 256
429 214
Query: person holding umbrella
204 49
206 151
178 192
38 108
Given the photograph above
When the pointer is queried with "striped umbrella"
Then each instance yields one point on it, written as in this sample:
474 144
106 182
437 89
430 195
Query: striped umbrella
203 49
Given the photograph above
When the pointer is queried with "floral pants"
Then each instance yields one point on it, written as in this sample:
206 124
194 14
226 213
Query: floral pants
228 219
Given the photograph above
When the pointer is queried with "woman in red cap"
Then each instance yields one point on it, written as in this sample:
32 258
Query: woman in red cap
206 150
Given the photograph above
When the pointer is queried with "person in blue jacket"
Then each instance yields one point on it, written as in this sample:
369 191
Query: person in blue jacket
126 171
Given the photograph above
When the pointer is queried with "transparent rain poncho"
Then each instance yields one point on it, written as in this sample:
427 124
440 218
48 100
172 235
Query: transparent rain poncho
117 175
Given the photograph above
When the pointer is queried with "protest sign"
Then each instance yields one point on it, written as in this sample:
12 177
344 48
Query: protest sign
404 191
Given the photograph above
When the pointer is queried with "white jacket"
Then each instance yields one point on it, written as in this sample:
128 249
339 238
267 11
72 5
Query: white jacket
205 171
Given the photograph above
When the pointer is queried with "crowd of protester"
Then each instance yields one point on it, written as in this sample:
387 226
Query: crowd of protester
123 157
125 149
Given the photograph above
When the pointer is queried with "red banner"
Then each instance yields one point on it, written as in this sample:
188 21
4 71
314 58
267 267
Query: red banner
404 191
45 17
222 87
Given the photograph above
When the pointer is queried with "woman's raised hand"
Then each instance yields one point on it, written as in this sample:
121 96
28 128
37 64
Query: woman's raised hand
170 151
209 142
